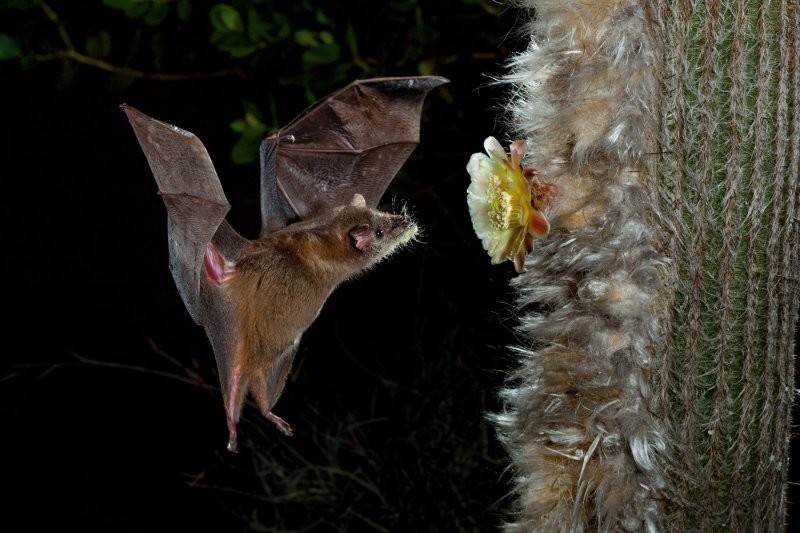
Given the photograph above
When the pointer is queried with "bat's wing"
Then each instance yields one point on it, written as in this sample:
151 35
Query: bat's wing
195 202
196 209
353 141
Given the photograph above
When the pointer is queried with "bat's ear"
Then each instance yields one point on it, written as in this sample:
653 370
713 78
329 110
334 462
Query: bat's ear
361 236
358 201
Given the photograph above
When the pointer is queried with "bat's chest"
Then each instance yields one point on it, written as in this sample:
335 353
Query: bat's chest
277 308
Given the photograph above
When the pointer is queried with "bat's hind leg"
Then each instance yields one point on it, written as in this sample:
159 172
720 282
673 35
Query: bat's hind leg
280 423
233 442
238 387
265 397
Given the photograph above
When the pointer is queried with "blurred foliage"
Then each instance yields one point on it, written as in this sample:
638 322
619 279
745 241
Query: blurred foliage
287 48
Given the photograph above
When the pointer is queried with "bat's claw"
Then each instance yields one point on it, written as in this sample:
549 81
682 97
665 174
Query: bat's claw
280 423
233 446
233 441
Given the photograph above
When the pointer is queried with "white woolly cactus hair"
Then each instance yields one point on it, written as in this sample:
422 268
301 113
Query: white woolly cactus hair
585 447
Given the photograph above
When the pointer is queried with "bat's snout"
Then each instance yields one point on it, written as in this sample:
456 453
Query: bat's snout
403 229
401 223
402 220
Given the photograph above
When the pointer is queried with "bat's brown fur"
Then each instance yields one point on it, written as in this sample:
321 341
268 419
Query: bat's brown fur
279 285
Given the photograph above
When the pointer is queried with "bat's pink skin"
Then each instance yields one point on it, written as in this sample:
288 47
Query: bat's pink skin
217 269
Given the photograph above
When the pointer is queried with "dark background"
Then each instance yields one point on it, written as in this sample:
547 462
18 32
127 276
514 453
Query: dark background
391 384
112 419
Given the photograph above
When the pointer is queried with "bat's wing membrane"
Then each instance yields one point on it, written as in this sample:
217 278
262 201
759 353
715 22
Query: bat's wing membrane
353 141
196 209
195 202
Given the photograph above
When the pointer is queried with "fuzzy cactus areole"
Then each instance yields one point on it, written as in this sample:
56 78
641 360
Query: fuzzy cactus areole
505 202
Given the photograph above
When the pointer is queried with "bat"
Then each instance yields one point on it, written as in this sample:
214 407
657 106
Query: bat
322 177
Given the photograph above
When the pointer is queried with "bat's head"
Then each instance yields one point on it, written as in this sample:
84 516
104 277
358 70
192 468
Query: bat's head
372 234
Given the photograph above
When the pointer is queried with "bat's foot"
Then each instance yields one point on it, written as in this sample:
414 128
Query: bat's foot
280 423
233 441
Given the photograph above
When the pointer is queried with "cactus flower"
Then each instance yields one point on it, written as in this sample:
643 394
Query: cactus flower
503 209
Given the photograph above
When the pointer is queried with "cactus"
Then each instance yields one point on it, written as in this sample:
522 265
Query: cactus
656 367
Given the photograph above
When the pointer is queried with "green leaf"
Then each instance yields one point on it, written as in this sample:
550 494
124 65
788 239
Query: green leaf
251 109
156 14
98 45
279 28
252 131
326 37
352 41
245 151
310 95
301 79
236 44
9 47
118 4
225 18
425 68
324 54
253 122
256 28
242 50
184 10
306 38
135 10
239 125
27 62
323 19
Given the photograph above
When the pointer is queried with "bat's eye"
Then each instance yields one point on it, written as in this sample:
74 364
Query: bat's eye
379 233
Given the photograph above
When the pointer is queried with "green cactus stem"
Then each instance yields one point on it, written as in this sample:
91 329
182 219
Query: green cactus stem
657 320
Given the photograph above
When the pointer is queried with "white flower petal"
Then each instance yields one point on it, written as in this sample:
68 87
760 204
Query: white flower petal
494 149
475 164
479 214
482 170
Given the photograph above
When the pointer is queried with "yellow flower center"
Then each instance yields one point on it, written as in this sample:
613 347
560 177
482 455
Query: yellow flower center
502 207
